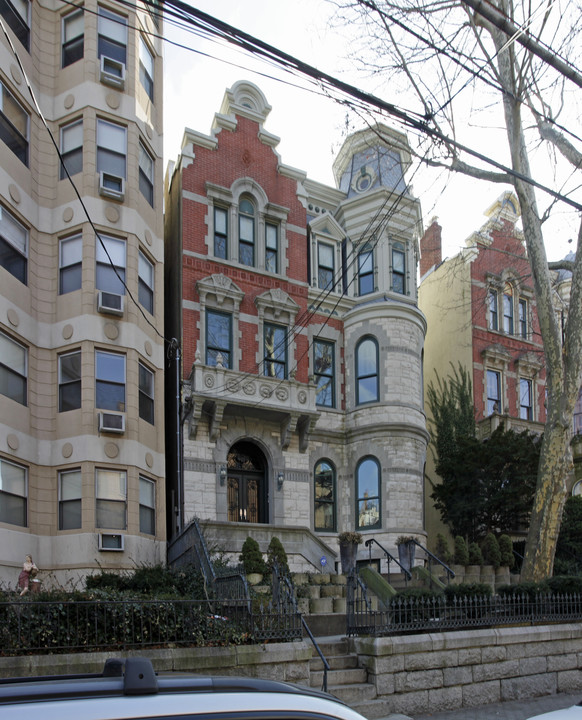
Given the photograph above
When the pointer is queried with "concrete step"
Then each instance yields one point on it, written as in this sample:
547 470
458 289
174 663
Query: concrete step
343 678
325 624
333 645
375 708
357 693
335 662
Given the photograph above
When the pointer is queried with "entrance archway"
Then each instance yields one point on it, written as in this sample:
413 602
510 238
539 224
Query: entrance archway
247 484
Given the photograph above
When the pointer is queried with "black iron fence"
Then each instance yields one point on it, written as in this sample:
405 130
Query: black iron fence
30 626
421 614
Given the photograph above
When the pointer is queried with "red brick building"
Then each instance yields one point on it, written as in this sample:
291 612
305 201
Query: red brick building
481 312
301 337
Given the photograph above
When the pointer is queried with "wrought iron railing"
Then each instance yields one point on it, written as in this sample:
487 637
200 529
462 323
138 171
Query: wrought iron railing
27 625
420 614
432 559
189 548
389 558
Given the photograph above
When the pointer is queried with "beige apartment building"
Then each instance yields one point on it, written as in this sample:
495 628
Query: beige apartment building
81 272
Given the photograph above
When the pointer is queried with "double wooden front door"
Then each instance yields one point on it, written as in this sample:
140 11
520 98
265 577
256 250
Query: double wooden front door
247 496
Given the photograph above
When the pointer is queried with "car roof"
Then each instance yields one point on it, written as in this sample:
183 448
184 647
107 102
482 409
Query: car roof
131 688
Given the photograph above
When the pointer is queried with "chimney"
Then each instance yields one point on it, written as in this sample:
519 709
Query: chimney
430 247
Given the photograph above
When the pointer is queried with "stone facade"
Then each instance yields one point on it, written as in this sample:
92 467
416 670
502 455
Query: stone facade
302 338
76 439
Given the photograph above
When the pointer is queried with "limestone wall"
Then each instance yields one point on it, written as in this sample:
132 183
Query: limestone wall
416 674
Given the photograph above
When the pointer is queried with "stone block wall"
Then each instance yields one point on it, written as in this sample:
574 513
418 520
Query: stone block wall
416 674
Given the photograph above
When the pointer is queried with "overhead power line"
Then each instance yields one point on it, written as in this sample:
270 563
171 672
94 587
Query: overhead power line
291 63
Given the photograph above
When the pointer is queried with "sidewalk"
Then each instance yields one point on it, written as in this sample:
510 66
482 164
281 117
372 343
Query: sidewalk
511 710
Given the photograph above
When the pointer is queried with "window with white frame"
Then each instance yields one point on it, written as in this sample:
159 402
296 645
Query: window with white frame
73 34
145 283
325 266
146 394
16 13
111 499
366 270
70 381
13 493
70 499
71 148
146 68
109 381
13 246
14 124
70 264
367 381
368 494
494 392
525 399
111 153
112 35
218 338
275 346
325 497
522 318
146 174
13 369
508 310
147 506
220 233
246 232
493 311
398 268
324 372
271 247
110 266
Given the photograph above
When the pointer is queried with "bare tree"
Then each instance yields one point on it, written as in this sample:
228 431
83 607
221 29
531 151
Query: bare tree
464 68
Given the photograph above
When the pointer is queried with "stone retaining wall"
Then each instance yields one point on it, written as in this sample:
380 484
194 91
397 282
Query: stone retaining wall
416 674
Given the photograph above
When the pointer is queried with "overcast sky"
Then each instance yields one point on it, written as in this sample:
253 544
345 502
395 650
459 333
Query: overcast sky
310 126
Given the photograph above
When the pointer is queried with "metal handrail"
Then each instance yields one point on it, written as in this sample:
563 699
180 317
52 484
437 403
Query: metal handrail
322 657
431 557
389 558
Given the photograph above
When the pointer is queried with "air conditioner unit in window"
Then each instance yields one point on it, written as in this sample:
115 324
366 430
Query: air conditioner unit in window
112 72
112 422
109 303
111 186
108 541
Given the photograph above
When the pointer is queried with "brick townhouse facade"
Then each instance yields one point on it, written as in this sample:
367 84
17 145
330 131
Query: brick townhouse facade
301 339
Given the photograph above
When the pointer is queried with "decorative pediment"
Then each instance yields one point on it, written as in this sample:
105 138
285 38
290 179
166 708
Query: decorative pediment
496 355
328 226
529 363
220 287
277 302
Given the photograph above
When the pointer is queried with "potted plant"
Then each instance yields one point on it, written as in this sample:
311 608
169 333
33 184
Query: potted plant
348 542
406 551
251 558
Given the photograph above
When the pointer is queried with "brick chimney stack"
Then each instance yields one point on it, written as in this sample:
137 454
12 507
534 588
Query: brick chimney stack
431 247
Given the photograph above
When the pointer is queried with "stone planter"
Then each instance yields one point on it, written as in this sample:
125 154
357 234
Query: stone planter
472 573
254 578
407 554
502 576
488 575
459 571
348 555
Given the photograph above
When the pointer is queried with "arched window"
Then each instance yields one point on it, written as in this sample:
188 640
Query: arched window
324 496
367 371
246 232
368 492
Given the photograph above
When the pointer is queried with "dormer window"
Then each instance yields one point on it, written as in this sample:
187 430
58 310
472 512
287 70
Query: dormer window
325 266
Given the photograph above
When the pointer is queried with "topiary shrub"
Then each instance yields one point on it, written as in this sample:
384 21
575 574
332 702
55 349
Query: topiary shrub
276 555
442 549
506 550
475 554
251 557
490 550
461 552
